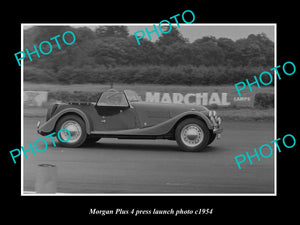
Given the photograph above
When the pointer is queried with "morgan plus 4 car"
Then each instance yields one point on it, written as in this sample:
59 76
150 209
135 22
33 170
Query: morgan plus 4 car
123 115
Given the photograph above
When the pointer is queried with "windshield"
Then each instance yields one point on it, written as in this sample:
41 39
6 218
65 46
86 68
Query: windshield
112 98
132 96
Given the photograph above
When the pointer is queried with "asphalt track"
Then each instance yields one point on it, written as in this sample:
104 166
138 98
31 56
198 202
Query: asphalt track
157 166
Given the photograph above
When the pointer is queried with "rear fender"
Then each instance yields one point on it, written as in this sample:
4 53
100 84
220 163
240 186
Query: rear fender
49 126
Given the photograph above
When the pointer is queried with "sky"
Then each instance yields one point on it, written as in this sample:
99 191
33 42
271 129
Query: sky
195 31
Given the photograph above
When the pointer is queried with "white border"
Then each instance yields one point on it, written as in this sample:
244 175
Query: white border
30 193
22 110
275 112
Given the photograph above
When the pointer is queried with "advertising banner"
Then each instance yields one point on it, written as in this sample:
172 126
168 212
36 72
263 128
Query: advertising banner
201 98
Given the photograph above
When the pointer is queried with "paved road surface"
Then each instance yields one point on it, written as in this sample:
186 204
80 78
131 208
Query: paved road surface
147 166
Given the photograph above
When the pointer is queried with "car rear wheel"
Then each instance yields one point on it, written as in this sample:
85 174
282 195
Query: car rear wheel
192 135
76 127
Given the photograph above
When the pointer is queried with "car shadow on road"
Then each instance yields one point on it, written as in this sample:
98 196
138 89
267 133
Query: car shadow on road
142 147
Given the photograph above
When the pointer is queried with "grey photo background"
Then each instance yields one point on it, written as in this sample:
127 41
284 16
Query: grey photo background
190 59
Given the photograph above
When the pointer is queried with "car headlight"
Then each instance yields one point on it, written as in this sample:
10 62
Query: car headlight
212 113
219 120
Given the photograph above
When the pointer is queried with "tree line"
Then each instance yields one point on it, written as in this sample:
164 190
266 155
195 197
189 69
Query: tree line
111 54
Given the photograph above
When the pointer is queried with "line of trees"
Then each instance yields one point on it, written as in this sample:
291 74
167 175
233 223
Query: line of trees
111 53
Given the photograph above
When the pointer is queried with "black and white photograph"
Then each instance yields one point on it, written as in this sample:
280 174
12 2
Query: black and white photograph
110 112
143 110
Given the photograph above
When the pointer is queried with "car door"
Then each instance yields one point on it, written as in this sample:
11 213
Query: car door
150 114
115 113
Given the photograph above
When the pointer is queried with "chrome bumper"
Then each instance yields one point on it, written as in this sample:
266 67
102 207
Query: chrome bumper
38 126
217 123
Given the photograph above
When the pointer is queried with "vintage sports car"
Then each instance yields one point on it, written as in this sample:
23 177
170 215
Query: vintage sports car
123 115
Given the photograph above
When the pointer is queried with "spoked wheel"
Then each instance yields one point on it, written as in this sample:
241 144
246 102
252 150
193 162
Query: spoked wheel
192 135
76 127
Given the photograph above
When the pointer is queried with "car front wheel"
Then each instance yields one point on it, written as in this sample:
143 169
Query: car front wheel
192 135
76 127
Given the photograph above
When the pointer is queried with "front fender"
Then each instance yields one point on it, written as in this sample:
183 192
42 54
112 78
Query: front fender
169 124
197 114
49 126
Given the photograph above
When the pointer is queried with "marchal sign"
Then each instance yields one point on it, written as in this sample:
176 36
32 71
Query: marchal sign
204 98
